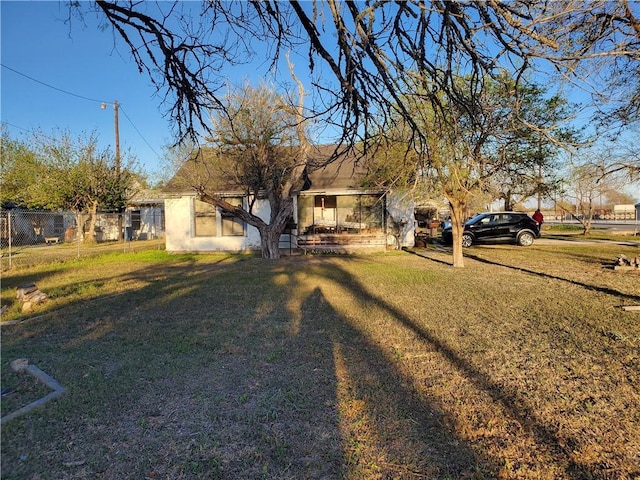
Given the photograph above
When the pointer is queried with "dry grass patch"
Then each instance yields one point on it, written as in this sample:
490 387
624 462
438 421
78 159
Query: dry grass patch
521 365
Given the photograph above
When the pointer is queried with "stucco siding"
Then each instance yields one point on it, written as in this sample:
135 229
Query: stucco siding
180 234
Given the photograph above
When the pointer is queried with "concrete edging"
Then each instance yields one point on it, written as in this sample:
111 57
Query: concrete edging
22 365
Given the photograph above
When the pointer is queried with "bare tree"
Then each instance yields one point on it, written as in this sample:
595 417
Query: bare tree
587 181
259 146
621 156
363 56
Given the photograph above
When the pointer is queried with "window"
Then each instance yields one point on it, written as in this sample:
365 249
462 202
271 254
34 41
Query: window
211 221
372 212
205 219
232 226
135 219
344 214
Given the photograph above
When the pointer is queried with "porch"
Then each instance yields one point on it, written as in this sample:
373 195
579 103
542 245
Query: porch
333 242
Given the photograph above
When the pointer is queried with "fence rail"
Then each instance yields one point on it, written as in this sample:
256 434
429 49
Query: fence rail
31 237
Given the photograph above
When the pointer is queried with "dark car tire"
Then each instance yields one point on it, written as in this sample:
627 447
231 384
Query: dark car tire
525 239
467 240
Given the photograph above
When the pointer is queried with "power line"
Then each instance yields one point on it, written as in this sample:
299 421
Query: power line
51 86
16 126
136 129
84 98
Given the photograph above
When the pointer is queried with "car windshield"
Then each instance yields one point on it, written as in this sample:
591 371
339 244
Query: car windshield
475 219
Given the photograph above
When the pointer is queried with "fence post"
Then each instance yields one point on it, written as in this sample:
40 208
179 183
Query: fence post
9 234
123 231
78 227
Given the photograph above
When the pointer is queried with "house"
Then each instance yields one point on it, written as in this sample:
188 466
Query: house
144 215
19 226
331 213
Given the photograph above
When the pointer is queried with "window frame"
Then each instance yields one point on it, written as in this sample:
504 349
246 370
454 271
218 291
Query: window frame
228 220
211 221
206 218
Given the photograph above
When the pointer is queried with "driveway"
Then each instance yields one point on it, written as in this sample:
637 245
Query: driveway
559 241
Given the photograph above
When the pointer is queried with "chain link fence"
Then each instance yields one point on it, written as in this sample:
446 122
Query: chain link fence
32 237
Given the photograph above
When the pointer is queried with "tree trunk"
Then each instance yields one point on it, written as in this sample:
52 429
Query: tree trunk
507 202
91 231
587 218
457 227
270 241
281 211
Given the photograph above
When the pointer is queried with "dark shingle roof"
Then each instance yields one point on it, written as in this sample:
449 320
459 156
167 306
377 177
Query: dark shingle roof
324 172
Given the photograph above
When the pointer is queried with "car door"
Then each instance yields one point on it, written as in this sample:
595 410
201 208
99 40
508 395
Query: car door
484 229
505 226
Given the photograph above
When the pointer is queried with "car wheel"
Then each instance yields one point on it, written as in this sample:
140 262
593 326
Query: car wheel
467 240
525 239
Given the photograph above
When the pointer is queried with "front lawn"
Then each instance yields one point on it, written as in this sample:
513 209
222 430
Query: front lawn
522 365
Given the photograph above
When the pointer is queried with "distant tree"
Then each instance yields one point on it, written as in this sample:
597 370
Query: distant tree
614 196
530 148
18 168
63 173
585 186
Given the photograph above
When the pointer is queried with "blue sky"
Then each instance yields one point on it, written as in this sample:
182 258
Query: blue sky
91 66
82 60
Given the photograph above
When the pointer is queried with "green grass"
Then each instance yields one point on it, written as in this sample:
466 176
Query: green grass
520 365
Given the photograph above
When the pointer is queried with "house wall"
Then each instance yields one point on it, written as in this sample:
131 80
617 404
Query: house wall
151 222
180 228
180 233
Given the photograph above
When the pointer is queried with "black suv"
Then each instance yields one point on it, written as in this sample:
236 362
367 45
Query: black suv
496 227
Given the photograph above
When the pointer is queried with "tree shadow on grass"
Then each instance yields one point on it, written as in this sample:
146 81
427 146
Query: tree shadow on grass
388 430
191 377
202 376
547 438
597 288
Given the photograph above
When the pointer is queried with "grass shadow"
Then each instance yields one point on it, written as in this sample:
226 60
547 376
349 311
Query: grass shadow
389 429
239 369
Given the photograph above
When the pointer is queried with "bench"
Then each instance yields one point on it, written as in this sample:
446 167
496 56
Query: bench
50 240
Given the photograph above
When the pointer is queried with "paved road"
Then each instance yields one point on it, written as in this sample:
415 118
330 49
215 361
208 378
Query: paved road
558 241
617 225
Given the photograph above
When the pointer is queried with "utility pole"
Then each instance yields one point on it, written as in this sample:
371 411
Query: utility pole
539 172
116 124
539 187
117 130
